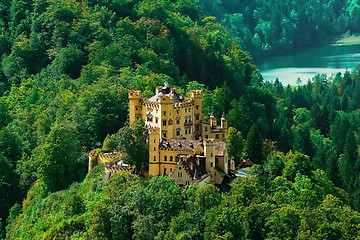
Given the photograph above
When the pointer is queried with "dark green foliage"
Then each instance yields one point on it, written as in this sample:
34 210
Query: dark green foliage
273 27
254 146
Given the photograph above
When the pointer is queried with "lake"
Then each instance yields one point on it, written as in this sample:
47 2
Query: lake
328 59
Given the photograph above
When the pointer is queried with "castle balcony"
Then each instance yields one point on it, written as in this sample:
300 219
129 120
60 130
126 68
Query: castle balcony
188 123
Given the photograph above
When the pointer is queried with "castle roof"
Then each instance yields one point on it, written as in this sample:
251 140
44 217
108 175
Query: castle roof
190 145
166 91
180 144
195 166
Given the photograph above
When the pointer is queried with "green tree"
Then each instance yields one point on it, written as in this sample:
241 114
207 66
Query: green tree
254 146
60 159
235 144
133 141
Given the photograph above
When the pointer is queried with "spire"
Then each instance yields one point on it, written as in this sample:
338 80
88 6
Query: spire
212 114
223 116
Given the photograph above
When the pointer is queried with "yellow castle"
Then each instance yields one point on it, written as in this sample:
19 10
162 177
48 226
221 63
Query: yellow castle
181 144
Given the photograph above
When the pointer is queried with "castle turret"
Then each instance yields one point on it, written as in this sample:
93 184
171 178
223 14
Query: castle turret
212 120
154 157
134 106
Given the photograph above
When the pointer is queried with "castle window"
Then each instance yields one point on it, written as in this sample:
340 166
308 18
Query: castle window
197 127
156 120
164 134
154 149
217 136
164 113
178 121
189 119
164 123
185 110
170 169
185 130
136 108
205 129
211 164
206 136
178 132
216 160
171 158
197 107
149 118
177 111
165 158
154 158
197 117
211 154
154 140
185 120
170 122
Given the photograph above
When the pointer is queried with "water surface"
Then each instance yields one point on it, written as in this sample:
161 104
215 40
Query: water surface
328 59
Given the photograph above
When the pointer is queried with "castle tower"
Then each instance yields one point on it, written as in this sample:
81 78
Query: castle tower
212 120
154 157
209 152
134 106
232 164
197 96
166 119
223 121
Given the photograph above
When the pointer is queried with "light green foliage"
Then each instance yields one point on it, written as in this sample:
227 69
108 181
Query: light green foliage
133 142
235 144
60 158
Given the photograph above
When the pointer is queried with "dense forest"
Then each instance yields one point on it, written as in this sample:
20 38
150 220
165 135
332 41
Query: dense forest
66 68
273 27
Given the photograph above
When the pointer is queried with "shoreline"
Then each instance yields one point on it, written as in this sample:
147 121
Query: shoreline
348 40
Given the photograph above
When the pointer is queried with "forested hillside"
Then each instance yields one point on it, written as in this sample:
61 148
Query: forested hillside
66 68
274 27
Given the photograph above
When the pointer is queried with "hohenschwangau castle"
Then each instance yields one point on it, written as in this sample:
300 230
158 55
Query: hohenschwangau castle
181 144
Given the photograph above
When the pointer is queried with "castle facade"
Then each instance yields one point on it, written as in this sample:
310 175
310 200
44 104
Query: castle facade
181 144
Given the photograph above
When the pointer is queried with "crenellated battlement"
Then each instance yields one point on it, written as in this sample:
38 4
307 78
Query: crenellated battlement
196 94
188 103
154 130
209 142
149 104
135 94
